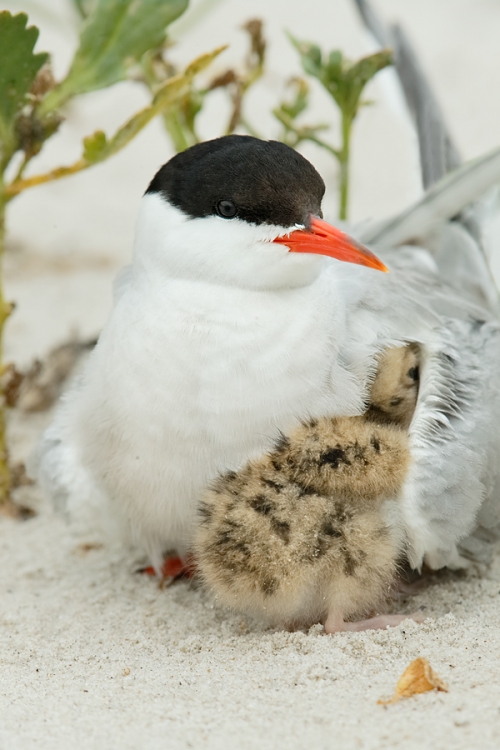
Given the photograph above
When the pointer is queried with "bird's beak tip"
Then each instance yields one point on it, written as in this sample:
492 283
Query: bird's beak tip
321 238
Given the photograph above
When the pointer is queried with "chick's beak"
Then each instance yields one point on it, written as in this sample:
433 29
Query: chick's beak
322 239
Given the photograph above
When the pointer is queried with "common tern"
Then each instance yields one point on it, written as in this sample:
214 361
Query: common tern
231 324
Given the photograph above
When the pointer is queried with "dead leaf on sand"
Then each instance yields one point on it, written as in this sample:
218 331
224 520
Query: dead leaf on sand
418 677
40 386
85 547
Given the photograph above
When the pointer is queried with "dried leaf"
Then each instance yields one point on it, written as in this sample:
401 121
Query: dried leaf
43 82
43 382
10 384
418 677
224 79
85 547
254 27
19 476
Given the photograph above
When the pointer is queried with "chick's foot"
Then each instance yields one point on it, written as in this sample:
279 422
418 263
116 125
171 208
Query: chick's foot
336 624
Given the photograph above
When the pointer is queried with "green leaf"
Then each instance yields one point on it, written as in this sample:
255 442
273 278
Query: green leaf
94 146
362 71
343 80
83 7
334 65
18 69
310 56
116 35
357 75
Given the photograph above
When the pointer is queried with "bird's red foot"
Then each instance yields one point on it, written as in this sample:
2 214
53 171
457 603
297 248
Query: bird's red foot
173 568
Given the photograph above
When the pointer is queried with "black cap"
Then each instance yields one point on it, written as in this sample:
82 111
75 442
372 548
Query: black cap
261 182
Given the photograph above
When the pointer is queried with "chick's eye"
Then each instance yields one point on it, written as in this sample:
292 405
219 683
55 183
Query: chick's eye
226 209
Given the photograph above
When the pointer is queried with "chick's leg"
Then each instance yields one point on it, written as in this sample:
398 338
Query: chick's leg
335 623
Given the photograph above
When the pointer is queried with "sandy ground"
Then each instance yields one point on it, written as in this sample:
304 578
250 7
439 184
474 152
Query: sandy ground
93 655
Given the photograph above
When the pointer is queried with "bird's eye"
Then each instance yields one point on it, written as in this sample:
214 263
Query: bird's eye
226 209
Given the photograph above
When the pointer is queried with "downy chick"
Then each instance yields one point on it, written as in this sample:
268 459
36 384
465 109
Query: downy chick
311 532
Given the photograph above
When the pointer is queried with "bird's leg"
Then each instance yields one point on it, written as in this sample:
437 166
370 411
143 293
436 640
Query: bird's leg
410 582
401 589
335 623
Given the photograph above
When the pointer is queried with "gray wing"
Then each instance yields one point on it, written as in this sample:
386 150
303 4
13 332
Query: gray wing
452 488
439 223
454 441
452 493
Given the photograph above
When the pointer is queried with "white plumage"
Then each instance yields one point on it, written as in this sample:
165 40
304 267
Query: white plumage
191 376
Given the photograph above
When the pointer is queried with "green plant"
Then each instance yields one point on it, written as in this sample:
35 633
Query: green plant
180 119
115 38
345 81
288 111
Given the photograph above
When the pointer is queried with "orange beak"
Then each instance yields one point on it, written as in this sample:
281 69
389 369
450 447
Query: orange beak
323 239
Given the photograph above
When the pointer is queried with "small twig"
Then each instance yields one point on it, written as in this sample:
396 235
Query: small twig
305 133
17 186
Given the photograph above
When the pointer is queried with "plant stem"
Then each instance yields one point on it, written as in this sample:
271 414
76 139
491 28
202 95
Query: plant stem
26 160
5 310
55 99
175 130
320 142
171 120
18 186
343 157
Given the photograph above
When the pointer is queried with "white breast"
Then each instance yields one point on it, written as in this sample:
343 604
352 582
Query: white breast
189 380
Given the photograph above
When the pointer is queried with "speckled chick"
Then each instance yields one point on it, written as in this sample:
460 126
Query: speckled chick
310 532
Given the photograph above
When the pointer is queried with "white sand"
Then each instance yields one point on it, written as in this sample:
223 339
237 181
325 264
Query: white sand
95 656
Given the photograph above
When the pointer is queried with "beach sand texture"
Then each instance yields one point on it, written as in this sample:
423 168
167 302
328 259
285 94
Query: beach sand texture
94 655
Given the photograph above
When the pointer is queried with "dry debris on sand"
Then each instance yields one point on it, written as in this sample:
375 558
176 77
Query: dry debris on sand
418 677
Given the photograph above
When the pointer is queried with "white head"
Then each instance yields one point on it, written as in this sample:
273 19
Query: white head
223 210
